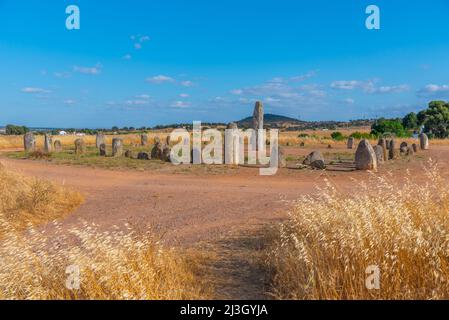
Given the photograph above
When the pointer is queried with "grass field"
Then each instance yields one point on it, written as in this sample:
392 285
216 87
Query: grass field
324 249
122 264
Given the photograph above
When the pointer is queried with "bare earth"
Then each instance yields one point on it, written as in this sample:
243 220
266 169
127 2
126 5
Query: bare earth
220 211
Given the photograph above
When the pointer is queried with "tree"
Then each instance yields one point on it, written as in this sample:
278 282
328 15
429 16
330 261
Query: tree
435 119
389 126
337 136
15 130
410 121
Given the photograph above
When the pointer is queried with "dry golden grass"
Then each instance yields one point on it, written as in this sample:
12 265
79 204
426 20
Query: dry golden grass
324 249
121 264
30 201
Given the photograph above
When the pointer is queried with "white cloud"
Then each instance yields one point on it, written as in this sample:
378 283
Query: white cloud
88 70
143 96
303 77
137 102
368 86
237 92
34 90
63 75
349 101
184 95
434 89
160 79
69 102
127 57
187 83
180 104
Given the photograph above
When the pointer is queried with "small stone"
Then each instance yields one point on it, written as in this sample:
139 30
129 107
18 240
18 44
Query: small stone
365 157
156 152
424 141
315 160
100 139
102 150
48 144
80 147
117 147
166 154
144 156
392 154
384 144
143 140
57 146
350 143
29 142
379 151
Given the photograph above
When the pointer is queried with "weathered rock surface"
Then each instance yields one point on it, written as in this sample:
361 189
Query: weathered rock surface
29 142
315 160
365 157
117 147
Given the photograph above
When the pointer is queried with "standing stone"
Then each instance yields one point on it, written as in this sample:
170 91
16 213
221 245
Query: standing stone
166 154
350 143
403 145
157 151
315 160
103 150
365 157
410 151
168 140
388 144
282 162
157 140
80 147
143 140
383 143
129 154
392 150
29 142
379 151
100 139
117 147
415 148
424 141
48 144
231 152
258 116
57 146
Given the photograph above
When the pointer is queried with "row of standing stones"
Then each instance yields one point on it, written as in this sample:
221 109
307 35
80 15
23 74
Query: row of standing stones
368 157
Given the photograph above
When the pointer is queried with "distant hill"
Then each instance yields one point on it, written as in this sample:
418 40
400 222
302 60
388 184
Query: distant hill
272 120
287 123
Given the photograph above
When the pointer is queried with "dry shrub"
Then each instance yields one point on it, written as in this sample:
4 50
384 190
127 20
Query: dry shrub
324 249
120 264
29 201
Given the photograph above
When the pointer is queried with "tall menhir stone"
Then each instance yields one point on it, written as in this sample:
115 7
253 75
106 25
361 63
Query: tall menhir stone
29 142
350 142
424 141
258 125
365 157
100 139
143 140
48 144
384 144
117 147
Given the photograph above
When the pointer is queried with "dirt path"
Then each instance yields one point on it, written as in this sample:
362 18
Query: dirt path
221 211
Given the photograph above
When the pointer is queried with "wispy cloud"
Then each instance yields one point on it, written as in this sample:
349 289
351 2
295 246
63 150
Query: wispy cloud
127 57
69 102
180 104
434 90
160 79
88 70
368 86
32 90
187 83
139 40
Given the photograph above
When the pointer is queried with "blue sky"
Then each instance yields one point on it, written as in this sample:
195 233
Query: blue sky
142 63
